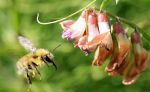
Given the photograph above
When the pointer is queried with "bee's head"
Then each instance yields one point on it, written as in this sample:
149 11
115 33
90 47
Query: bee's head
48 58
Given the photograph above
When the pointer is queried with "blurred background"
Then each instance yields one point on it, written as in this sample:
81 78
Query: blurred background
75 73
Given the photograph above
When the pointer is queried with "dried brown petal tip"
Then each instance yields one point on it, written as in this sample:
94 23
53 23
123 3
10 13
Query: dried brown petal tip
128 82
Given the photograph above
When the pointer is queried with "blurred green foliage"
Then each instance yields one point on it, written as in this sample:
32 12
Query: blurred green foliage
75 73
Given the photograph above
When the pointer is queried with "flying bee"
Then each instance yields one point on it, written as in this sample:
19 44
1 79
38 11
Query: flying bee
29 63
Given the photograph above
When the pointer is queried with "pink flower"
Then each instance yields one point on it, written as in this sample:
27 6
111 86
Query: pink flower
74 30
103 40
121 47
92 32
103 23
137 62
92 26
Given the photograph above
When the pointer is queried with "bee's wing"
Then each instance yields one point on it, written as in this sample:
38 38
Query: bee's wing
26 43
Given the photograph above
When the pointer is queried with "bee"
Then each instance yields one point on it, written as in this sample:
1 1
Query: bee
29 63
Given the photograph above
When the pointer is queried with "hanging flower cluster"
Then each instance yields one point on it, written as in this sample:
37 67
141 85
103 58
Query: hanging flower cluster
91 32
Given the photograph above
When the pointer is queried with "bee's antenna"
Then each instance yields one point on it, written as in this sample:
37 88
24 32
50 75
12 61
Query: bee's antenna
56 47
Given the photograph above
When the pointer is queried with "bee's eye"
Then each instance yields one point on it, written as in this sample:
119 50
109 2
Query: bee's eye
46 58
49 60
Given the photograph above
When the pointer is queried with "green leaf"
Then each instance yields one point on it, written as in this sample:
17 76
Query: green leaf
146 36
104 4
117 2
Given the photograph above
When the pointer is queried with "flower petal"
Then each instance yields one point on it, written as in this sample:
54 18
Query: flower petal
140 54
104 38
79 26
74 30
82 41
103 23
66 24
121 50
67 34
100 55
139 62
130 72
92 26
141 57
124 46
91 34
118 55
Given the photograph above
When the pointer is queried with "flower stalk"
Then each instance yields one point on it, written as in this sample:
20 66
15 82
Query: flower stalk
62 19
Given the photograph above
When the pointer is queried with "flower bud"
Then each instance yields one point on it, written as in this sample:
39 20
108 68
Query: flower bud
117 28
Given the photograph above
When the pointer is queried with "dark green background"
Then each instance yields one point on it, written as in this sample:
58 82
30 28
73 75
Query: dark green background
75 73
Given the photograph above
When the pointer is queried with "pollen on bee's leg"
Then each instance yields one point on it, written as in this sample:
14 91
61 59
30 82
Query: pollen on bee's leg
31 68
35 66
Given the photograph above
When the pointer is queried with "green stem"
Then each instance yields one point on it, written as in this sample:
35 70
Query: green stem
123 20
62 19
144 34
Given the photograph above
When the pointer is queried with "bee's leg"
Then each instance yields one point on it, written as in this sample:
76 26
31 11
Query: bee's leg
31 67
29 79
35 66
